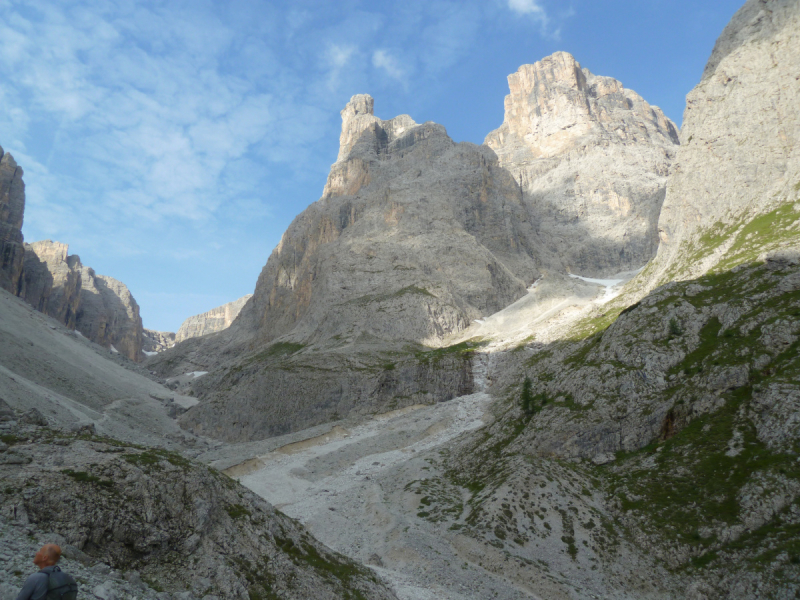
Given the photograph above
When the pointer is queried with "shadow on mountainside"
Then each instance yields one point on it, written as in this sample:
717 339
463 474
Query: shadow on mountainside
682 413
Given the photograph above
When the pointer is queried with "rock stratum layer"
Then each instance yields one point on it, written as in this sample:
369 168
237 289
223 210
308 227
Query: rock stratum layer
212 321
12 209
415 237
738 169
100 307
592 159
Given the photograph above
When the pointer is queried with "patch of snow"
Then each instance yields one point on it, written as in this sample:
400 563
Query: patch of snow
197 373
604 282
77 333
149 353
114 350
613 286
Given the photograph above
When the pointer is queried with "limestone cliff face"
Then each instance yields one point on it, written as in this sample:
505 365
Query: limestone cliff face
212 321
736 181
109 315
57 284
413 238
100 307
592 159
12 208
51 281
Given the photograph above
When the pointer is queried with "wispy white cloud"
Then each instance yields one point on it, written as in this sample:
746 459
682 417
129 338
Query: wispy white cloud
534 10
338 57
148 128
381 59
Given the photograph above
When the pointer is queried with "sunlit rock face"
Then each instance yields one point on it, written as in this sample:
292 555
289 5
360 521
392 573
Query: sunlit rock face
12 207
212 321
740 154
592 160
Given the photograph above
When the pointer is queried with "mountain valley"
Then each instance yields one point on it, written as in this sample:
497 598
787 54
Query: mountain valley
561 364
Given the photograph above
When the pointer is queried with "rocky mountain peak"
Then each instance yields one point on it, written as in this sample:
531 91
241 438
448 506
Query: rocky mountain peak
358 116
592 160
554 103
214 320
360 104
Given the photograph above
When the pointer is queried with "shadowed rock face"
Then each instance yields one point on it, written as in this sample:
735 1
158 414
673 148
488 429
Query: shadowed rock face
157 341
100 307
109 315
212 321
592 159
51 281
12 207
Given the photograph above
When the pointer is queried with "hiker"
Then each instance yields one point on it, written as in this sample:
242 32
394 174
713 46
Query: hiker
50 581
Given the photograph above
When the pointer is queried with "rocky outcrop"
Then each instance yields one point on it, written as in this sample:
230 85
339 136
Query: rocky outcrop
51 281
592 159
410 225
736 181
157 341
212 321
12 208
315 388
175 528
681 411
109 315
100 307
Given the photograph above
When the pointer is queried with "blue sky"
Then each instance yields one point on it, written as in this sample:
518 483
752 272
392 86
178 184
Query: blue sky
171 143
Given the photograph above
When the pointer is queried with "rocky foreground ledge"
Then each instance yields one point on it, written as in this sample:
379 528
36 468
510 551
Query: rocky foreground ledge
138 522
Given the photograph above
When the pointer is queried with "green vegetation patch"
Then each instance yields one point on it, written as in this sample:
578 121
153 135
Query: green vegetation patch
152 459
764 232
377 298
330 566
696 479
237 511
597 324
84 477
276 350
462 349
